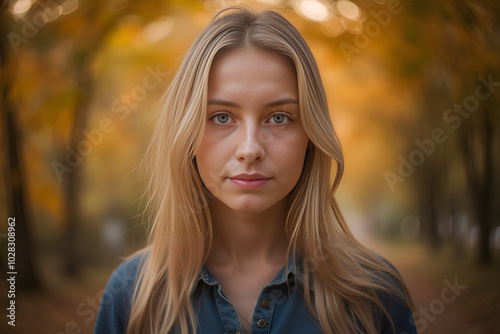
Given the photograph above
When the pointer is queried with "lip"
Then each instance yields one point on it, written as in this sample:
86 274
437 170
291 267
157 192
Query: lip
249 177
249 181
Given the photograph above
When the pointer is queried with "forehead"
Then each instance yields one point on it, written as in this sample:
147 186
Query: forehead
252 72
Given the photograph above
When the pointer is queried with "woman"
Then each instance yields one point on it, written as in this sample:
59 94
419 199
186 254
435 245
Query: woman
247 236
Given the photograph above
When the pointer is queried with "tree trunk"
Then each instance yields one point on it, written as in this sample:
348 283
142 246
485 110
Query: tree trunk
13 173
478 157
485 192
26 277
72 181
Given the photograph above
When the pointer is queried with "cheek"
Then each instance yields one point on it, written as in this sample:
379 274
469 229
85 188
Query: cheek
210 158
211 144
203 155
291 154
206 171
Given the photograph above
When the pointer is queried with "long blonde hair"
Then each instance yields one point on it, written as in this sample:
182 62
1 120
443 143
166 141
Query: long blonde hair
346 277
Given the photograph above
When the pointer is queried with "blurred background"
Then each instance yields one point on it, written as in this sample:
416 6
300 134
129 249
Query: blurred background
414 93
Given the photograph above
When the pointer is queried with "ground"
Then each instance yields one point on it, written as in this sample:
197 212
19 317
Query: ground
451 295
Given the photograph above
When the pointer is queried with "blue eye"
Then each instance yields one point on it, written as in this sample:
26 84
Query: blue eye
280 118
221 118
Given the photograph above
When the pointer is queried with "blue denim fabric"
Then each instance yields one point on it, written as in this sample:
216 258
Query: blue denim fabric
281 307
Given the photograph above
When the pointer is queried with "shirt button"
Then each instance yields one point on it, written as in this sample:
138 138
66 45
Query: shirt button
266 302
261 323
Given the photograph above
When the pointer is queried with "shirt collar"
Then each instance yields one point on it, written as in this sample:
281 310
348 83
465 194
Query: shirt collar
293 271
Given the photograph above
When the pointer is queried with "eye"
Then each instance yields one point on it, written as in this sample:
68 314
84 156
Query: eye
280 119
221 119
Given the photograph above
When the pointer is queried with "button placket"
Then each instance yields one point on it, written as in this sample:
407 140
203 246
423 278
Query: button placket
264 312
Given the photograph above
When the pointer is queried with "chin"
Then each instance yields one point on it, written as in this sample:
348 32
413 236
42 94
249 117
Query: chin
249 205
250 208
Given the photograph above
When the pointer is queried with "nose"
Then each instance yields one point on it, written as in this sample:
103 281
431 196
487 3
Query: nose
250 147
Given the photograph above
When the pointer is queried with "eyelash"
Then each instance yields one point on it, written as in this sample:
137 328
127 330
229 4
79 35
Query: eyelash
285 122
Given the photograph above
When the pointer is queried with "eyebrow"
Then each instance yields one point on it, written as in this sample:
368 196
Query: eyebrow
235 105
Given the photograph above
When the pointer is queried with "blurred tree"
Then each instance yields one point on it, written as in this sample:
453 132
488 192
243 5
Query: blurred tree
67 39
474 43
442 51
479 159
14 167
463 37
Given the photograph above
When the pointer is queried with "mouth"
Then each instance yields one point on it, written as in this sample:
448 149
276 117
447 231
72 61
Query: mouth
249 181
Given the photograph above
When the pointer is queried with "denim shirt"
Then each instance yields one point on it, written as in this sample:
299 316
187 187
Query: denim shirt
281 307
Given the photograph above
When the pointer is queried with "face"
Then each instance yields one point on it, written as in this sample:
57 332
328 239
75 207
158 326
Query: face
253 147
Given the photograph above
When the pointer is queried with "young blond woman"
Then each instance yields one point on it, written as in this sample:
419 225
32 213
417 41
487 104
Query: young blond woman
247 236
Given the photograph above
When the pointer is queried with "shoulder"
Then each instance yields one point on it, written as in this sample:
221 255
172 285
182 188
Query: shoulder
126 273
122 282
116 300
396 303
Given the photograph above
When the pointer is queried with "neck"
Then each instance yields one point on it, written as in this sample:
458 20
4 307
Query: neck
247 239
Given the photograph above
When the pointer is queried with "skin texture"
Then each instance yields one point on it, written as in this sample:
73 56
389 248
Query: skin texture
243 86
252 126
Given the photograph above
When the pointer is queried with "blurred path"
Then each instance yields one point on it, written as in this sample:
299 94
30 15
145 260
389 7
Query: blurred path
446 301
63 307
